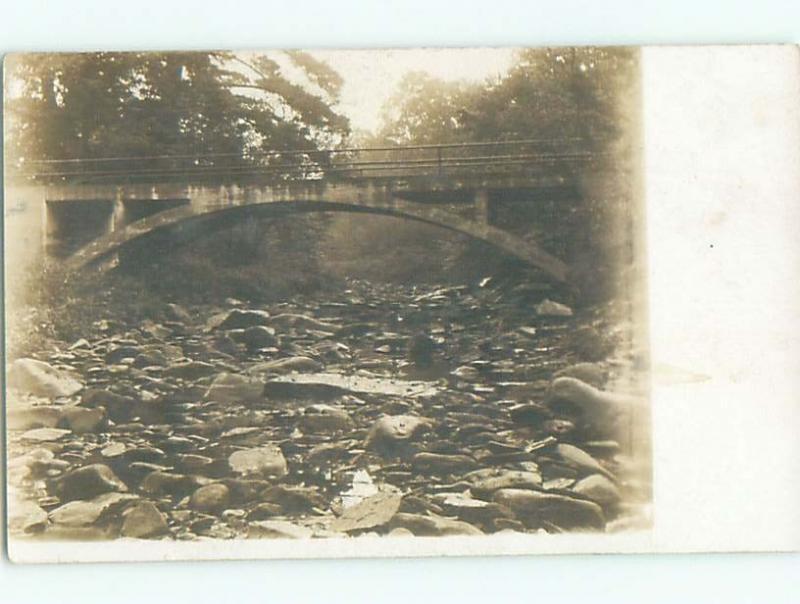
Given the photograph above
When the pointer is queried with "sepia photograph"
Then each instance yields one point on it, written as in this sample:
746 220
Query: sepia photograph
358 298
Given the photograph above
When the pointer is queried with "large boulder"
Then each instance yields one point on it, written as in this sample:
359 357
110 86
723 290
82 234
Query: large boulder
42 379
88 482
144 521
233 388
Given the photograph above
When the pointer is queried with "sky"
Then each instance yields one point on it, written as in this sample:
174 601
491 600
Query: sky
371 76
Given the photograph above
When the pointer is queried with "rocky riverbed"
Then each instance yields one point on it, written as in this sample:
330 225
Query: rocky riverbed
381 410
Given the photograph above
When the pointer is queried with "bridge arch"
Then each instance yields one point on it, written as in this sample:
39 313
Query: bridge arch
187 220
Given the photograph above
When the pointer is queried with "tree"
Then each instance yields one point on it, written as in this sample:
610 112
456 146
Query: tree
216 109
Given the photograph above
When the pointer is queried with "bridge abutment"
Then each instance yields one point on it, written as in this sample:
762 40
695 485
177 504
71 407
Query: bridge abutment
72 223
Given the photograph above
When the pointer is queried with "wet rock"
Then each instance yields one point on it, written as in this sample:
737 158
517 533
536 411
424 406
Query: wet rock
256 337
590 373
486 481
87 482
82 420
294 499
144 521
210 499
599 489
438 463
266 462
549 308
242 319
277 529
287 365
190 370
432 525
41 379
325 418
538 509
330 385
373 511
392 432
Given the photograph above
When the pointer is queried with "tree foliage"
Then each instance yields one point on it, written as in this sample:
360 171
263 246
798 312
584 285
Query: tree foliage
557 93
110 104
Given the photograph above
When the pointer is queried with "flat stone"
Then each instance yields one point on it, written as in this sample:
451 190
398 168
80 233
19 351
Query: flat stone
190 370
230 388
486 481
144 521
298 321
85 513
536 509
41 379
277 529
286 365
330 385
266 462
294 499
431 525
438 463
373 511
549 308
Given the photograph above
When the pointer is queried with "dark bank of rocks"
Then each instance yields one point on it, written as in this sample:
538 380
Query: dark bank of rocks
383 410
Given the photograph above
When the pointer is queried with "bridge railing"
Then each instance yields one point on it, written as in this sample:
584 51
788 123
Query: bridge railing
435 160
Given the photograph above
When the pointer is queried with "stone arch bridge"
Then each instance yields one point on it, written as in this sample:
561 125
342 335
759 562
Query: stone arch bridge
132 201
